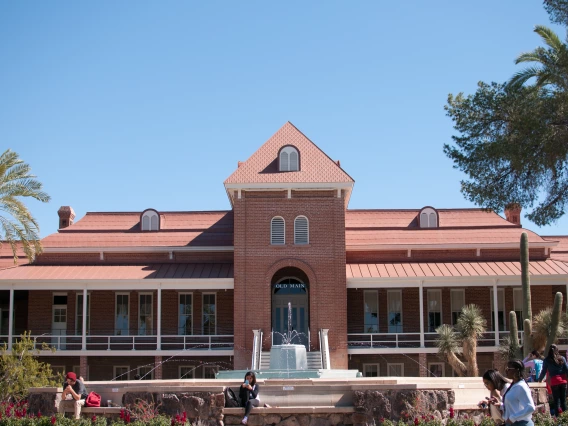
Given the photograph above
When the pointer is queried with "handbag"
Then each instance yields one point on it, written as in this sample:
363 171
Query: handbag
93 400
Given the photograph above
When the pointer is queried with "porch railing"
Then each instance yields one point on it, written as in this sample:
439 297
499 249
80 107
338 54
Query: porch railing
132 342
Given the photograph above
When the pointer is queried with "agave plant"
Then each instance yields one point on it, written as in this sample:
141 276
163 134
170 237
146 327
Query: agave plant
471 325
448 344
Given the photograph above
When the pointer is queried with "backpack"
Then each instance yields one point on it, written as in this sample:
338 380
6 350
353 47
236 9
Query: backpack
93 400
231 400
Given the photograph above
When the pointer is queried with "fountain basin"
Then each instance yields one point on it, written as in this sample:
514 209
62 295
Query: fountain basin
289 374
288 357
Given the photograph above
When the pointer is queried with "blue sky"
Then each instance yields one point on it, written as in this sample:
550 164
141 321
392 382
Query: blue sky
122 106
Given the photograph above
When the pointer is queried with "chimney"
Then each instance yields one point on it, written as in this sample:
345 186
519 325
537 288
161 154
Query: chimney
239 164
513 213
66 216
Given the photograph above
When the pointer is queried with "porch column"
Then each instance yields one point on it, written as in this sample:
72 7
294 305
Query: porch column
421 302
159 321
158 367
11 320
84 333
495 313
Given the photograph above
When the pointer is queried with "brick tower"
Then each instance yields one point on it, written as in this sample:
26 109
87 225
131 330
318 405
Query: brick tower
289 200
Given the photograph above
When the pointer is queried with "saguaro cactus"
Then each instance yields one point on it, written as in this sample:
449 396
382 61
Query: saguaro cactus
556 310
515 348
527 305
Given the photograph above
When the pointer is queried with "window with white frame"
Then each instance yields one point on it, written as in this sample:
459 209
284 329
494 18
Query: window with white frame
371 319
501 317
185 318
187 372
277 231
437 369
434 310
394 302
518 306
371 370
395 370
428 218
121 372
79 314
301 230
145 372
59 369
457 298
150 220
122 310
210 371
145 314
209 314
289 159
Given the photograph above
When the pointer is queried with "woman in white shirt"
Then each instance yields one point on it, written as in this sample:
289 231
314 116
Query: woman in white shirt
517 405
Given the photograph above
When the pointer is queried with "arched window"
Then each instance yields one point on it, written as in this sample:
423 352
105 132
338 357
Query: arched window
289 159
428 218
150 220
277 231
301 230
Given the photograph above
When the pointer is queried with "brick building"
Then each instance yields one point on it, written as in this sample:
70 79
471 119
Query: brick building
178 294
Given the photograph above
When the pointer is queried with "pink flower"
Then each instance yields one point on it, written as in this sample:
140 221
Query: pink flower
94 418
122 414
452 412
53 420
39 414
416 421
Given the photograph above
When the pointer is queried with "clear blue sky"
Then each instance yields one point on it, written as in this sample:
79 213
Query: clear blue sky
122 105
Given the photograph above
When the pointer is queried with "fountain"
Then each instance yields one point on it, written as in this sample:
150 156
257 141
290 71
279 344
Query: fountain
289 361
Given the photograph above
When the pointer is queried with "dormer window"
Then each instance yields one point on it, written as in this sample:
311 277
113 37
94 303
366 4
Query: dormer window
150 220
428 218
289 159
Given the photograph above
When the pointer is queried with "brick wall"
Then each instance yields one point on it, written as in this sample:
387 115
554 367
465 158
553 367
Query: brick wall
323 261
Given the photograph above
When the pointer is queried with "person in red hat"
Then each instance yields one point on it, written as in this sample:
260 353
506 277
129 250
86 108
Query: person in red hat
74 395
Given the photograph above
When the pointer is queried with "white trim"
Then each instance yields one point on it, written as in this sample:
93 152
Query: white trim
185 293
481 281
117 284
11 319
200 353
443 365
203 313
114 372
119 293
395 364
495 314
408 351
135 249
296 186
151 294
191 367
372 365
366 247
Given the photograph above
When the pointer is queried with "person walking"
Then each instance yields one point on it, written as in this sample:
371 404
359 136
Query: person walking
533 362
555 365
517 405
248 394
497 385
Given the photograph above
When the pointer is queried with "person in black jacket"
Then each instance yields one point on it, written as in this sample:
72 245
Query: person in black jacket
248 394
555 365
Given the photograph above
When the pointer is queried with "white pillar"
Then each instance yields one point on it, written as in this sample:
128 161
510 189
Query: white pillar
421 301
84 334
11 320
159 320
496 312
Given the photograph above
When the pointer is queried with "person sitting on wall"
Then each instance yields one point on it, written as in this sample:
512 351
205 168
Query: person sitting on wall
248 394
74 395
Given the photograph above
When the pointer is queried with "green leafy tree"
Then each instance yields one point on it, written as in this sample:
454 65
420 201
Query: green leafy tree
21 369
558 11
17 223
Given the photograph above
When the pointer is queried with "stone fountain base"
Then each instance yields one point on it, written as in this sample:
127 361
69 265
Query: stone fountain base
288 357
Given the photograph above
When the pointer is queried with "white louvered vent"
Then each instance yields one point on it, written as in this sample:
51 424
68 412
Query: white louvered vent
277 228
301 230
293 161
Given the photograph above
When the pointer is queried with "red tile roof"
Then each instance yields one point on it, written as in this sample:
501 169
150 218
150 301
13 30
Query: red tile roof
504 235
315 165
120 272
462 218
7 255
452 269
178 229
560 252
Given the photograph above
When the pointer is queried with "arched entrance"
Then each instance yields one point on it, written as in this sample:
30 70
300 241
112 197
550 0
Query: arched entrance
290 288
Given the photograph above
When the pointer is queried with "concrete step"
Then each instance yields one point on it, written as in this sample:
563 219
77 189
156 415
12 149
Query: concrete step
313 358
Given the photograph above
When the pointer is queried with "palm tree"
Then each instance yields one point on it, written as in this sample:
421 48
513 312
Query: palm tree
553 61
448 342
471 325
19 226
